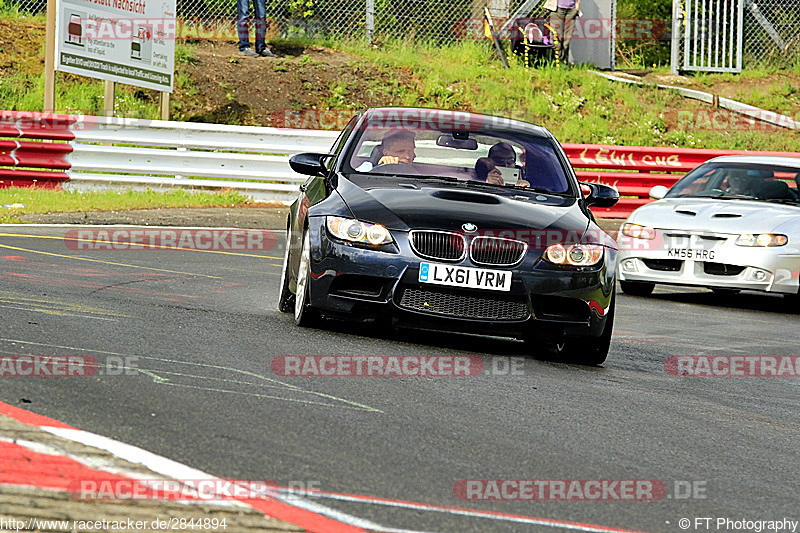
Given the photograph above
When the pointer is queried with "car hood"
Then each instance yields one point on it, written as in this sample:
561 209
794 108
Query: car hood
718 216
415 204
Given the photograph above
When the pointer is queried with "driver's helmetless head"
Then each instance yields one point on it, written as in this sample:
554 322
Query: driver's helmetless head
400 144
739 182
503 155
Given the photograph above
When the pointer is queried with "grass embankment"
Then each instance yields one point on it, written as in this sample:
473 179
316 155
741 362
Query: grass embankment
580 107
15 202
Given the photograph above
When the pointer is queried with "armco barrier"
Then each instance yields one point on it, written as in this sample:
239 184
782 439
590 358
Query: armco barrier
86 152
83 151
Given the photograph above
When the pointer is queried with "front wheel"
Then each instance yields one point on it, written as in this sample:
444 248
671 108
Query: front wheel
586 351
594 351
304 315
285 297
637 288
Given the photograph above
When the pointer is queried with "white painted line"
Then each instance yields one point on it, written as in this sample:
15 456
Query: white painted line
465 512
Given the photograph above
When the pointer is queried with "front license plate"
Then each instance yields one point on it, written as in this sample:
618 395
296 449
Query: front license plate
691 253
471 278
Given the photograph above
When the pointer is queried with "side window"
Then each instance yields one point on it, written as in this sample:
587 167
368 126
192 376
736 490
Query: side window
340 141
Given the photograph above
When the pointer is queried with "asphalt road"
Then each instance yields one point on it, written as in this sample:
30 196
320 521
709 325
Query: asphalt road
201 328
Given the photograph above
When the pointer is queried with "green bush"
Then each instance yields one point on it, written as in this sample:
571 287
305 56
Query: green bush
635 53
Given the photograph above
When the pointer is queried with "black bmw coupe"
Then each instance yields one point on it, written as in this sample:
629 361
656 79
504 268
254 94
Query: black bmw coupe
455 221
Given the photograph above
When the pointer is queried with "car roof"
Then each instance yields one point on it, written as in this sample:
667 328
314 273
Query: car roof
781 161
395 116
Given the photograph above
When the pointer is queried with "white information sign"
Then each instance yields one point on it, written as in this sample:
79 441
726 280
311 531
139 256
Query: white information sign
127 41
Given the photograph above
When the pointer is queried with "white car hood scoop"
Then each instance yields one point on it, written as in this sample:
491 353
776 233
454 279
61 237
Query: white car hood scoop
715 216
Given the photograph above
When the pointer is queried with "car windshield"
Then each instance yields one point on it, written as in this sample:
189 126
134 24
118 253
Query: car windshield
500 159
769 183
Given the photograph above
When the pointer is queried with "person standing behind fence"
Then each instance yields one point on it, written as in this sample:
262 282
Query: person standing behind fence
562 20
260 9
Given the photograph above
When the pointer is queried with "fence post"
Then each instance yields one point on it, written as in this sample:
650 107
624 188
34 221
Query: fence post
677 20
370 20
50 58
109 88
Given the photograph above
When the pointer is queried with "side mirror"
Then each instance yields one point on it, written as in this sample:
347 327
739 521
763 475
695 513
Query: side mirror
658 192
600 195
309 164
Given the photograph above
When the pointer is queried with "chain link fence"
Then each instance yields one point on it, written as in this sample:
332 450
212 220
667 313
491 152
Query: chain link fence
707 33
771 32
435 20
771 27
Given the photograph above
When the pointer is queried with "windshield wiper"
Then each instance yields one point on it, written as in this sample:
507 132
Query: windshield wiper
783 201
721 195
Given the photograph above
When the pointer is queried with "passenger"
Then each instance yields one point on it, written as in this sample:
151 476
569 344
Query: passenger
502 154
486 170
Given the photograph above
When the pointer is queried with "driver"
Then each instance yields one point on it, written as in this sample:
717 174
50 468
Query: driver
397 146
740 183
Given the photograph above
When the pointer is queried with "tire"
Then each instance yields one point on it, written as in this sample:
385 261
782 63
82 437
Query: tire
586 351
637 288
304 315
285 297
594 351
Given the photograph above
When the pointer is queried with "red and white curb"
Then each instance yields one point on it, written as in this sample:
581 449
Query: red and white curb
37 465
287 505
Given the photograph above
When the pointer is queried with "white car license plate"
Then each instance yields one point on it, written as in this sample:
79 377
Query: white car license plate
691 253
472 278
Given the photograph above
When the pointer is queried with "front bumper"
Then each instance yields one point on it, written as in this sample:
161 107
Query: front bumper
715 262
364 283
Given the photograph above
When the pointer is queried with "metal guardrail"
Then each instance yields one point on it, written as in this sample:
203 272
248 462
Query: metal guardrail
87 152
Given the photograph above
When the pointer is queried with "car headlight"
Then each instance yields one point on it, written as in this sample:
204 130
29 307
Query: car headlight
638 232
762 240
574 254
352 230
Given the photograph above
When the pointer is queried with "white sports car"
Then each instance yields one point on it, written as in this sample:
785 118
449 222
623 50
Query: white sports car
731 224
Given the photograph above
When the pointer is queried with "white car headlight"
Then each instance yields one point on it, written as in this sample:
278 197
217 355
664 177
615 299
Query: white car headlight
574 254
638 232
762 240
352 230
